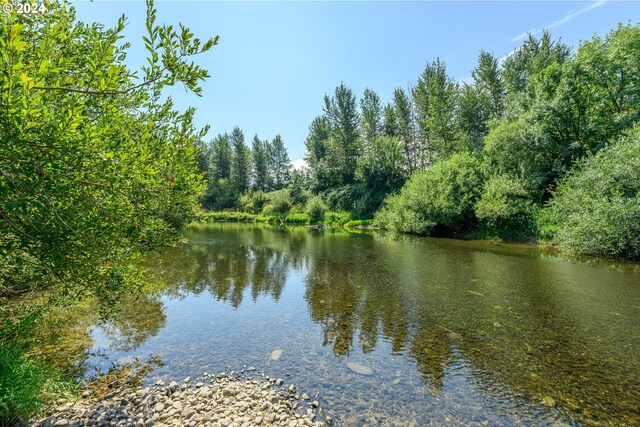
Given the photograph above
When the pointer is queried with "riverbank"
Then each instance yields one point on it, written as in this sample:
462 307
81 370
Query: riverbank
225 399
329 219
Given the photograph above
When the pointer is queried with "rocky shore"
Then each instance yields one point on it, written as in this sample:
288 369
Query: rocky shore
226 399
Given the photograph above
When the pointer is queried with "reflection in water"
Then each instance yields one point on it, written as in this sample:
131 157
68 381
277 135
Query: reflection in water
67 335
505 336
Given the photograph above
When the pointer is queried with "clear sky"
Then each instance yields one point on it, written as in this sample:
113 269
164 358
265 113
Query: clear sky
276 60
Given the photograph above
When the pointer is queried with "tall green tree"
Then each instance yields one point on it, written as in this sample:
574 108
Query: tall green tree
260 165
381 168
342 116
435 97
221 161
241 166
473 116
280 165
317 151
389 120
221 192
370 117
481 104
529 59
488 82
406 129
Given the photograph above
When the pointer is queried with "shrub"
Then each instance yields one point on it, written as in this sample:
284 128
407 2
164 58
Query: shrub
337 218
505 208
316 209
359 223
279 202
253 201
443 196
596 209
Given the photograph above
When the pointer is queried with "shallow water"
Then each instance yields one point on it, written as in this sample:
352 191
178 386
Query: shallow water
455 333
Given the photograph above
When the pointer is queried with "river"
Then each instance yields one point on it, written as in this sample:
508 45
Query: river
387 329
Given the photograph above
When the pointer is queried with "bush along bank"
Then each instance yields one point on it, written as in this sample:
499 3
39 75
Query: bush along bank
328 219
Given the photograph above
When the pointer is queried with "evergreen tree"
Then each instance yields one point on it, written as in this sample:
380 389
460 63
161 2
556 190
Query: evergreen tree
241 167
280 164
220 193
342 115
316 158
260 165
221 158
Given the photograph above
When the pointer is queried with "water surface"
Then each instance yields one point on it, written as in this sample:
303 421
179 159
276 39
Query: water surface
455 333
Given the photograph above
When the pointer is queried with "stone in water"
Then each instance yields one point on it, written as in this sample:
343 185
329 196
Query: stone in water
360 369
275 354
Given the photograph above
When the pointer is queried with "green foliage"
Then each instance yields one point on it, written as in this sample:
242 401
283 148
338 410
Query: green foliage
530 118
333 142
531 58
521 148
337 218
473 116
389 121
298 187
381 167
26 385
371 117
505 209
253 201
596 209
489 84
279 164
442 197
317 149
435 98
356 198
316 209
358 223
405 126
96 169
278 202
260 165
241 170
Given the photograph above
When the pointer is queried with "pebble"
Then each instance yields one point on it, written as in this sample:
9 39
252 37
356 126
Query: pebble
225 400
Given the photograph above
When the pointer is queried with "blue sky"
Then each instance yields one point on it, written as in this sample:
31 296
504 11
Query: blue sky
276 60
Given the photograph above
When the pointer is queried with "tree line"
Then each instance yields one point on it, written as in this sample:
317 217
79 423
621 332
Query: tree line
233 169
504 155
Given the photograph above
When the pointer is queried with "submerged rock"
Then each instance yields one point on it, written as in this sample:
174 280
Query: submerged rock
360 369
275 354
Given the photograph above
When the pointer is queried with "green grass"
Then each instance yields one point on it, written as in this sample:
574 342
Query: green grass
26 385
333 219
359 223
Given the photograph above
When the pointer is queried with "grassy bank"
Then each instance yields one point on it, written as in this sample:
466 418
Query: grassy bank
329 219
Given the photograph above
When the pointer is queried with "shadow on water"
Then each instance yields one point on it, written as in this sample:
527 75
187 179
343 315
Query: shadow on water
456 332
